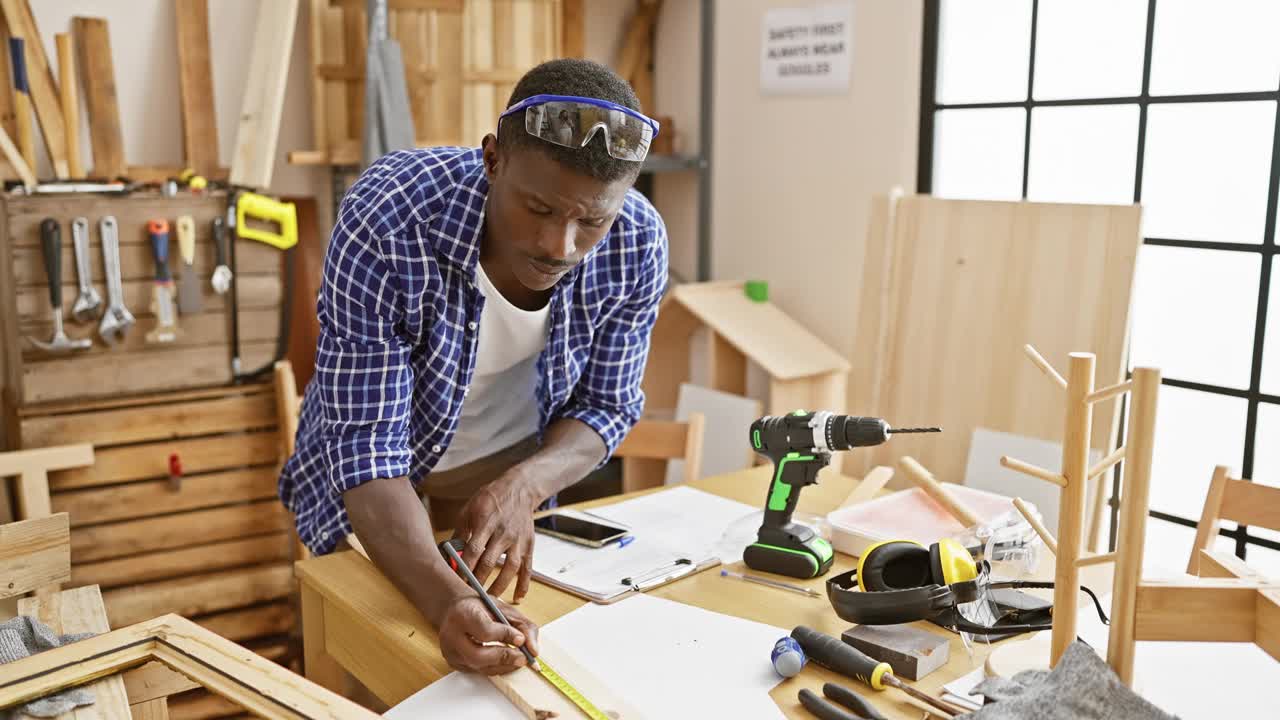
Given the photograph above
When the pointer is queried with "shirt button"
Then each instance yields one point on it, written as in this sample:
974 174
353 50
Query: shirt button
435 448
324 535
471 325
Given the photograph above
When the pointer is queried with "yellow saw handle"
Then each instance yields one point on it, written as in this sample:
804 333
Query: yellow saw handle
261 207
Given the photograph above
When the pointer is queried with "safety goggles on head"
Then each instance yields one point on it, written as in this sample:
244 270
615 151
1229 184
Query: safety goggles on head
571 122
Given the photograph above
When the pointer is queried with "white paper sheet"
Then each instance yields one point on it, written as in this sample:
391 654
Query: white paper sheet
957 691
667 659
690 520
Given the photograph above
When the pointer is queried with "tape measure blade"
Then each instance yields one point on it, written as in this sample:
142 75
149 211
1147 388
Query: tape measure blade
570 692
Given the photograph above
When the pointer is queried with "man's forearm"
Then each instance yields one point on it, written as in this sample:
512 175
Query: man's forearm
570 449
395 529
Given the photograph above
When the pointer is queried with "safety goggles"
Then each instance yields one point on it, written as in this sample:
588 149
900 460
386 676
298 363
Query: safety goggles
571 122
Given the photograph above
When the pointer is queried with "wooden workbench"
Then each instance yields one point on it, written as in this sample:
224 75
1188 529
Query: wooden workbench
353 615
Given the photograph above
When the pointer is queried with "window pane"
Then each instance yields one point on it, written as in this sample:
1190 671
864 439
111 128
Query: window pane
1168 546
983 50
1089 48
978 153
1206 171
1213 47
1195 431
1271 343
1266 446
1193 314
1264 560
1083 154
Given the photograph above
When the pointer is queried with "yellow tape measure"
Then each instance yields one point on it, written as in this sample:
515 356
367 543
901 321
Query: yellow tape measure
570 692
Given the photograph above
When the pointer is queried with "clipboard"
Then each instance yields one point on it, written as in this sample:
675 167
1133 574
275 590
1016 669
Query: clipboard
656 578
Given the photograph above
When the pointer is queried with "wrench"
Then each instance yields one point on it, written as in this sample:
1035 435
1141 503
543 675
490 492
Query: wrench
87 303
117 319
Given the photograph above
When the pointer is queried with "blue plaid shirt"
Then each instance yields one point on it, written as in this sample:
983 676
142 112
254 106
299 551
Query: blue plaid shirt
399 314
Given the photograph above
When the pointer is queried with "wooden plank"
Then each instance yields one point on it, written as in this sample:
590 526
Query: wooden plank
8 122
93 46
727 366
1250 503
74 612
150 710
354 34
208 330
1216 564
202 705
256 291
446 42
337 125
478 107
308 273
254 159
149 422
15 160
410 28
320 667
255 622
1267 633
151 460
195 80
137 262
62 378
59 457
33 554
655 440
160 173
69 87
44 92
319 136
1004 263
155 681
156 497
165 564
453 6
198 595
167 398
1169 610
573 16
102 542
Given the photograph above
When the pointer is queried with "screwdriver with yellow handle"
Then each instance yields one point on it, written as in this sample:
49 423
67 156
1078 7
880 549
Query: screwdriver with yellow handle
847 660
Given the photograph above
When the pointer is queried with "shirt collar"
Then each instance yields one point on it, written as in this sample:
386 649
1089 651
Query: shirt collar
463 218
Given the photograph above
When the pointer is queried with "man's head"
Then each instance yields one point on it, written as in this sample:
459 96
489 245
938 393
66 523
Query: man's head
548 205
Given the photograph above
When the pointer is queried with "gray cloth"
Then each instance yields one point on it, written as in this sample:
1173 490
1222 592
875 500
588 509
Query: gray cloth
1081 687
24 636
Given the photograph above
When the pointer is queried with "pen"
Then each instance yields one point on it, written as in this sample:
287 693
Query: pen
771 583
455 561
622 542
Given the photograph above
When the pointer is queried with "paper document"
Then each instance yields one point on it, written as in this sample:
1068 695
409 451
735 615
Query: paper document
668 659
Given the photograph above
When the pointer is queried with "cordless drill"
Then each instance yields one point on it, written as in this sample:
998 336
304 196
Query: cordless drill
800 444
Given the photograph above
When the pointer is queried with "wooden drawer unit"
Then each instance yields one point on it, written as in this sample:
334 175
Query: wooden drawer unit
201 355
213 544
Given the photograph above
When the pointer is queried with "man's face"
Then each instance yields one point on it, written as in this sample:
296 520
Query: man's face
542 218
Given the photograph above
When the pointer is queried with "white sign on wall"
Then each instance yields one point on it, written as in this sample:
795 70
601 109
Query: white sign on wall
807 50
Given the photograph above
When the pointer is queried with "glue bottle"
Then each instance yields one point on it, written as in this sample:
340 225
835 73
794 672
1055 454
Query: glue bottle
788 658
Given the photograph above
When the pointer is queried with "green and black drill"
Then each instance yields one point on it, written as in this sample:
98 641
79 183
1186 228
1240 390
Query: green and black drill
800 444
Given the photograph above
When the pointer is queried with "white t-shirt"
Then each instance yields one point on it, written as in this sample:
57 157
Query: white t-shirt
500 407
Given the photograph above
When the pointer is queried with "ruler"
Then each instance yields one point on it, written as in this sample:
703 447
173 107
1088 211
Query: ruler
569 691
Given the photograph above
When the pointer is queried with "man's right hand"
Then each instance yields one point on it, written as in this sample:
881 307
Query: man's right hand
466 624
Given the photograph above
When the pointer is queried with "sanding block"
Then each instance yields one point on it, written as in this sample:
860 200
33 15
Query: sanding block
910 651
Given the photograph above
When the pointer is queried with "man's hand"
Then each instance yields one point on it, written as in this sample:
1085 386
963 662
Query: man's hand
499 519
466 624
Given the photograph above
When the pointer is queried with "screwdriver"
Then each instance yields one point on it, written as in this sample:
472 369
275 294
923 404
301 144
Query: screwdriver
848 660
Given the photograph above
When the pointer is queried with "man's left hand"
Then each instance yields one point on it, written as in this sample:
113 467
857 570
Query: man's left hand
496 520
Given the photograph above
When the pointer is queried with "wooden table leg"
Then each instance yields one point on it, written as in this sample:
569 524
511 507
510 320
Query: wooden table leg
319 665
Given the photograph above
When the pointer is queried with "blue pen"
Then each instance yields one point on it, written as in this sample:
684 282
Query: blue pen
623 541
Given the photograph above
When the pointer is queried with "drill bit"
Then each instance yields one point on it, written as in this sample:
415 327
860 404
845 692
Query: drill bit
915 430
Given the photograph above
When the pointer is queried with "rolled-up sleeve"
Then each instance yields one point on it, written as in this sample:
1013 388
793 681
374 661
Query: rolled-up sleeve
608 398
363 378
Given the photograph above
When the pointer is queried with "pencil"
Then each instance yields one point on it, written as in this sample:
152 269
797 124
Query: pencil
771 583
455 560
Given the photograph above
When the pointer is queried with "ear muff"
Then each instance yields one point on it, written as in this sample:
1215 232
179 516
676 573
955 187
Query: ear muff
894 565
950 562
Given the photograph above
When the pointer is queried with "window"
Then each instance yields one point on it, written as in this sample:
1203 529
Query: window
1170 103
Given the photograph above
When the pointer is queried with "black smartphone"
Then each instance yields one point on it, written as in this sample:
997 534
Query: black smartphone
578 530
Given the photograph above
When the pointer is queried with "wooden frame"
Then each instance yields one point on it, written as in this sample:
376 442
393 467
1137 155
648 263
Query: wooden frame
32 468
237 674
645 450
1232 499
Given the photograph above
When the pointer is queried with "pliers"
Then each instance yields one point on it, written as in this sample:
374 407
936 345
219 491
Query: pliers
862 710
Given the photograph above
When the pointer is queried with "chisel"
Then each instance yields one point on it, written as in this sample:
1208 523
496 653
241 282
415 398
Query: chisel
190 297
166 329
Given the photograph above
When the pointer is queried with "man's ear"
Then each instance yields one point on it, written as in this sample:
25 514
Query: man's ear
489 150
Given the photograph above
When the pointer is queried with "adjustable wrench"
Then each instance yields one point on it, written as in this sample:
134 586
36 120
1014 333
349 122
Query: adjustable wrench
87 303
117 319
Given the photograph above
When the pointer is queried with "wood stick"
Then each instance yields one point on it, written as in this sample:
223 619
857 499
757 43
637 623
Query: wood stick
925 481
871 485
1210 517
14 157
1032 470
1049 540
1107 393
44 94
1044 365
1075 468
70 90
195 81
1133 522
1107 462
1096 559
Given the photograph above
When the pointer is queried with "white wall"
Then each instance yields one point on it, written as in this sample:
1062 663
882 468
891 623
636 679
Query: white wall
794 175
145 55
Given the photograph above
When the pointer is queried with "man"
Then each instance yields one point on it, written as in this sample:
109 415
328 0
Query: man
485 318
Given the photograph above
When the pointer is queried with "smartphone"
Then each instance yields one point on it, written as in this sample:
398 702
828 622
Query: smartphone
578 530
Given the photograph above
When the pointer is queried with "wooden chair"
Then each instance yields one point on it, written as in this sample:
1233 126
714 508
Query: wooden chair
1235 499
645 450
32 468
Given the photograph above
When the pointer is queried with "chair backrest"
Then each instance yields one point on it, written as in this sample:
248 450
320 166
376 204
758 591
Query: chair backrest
664 440
1229 498
34 554
32 468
